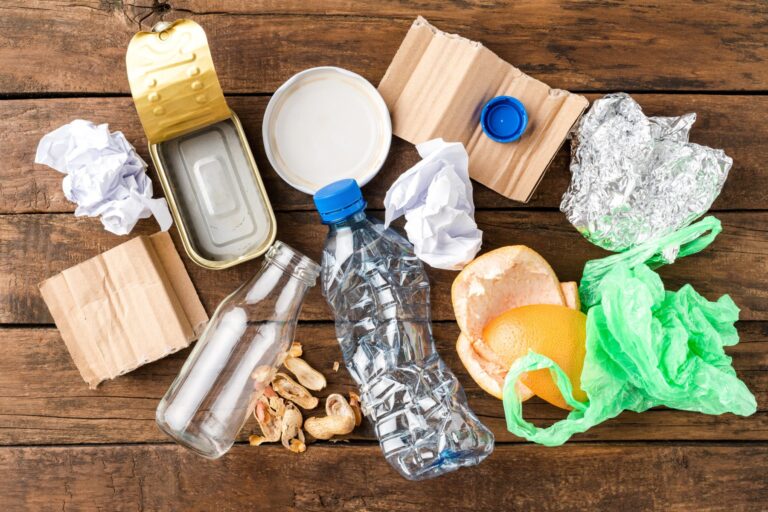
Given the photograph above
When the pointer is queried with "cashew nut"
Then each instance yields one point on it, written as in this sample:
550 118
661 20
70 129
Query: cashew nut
292 436
340 419
305 374
291 390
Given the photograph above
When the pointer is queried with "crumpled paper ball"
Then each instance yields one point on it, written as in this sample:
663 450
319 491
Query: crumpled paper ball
105 176
435 196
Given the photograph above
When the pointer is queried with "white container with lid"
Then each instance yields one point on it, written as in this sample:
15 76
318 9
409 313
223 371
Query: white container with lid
325 124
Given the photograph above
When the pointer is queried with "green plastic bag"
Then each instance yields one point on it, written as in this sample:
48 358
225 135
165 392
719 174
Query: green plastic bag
645 346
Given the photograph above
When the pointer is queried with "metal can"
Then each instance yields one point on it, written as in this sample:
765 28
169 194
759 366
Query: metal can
198 147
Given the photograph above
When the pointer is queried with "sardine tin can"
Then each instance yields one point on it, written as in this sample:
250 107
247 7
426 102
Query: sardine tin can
198 147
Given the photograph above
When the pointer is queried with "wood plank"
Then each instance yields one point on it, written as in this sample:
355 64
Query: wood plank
26 187
44 401
35 247
524 477
606 46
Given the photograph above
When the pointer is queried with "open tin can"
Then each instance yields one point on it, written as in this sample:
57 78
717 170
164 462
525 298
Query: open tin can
198 147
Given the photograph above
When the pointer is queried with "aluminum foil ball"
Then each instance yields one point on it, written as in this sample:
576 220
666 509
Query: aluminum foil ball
635 178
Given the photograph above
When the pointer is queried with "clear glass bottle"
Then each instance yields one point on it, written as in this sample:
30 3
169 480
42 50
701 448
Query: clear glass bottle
237 355
379 292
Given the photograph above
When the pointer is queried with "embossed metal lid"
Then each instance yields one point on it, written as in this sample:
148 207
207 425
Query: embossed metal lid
173 81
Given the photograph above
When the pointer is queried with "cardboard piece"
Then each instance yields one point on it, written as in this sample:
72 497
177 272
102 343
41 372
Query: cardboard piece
125 307
437 85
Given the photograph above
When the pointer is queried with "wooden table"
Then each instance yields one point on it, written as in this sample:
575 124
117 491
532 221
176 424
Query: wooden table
65 447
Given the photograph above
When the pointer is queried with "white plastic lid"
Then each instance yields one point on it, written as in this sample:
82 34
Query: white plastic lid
325 124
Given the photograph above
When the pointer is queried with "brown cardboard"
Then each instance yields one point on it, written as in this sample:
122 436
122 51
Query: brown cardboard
125 307
436 86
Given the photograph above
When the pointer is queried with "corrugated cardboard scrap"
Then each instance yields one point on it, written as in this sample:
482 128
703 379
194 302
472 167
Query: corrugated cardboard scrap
125 307
436 86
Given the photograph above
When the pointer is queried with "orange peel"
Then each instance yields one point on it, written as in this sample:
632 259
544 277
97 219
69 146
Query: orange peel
490 285
554 331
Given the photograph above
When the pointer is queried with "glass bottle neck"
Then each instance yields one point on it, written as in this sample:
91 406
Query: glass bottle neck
283 280
293 263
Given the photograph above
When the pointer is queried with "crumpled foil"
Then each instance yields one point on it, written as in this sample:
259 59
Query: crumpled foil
635 178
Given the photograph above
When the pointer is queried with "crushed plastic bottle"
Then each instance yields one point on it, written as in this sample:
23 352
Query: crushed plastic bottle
379 292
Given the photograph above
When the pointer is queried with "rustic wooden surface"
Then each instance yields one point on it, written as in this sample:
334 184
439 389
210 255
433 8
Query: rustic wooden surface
65 447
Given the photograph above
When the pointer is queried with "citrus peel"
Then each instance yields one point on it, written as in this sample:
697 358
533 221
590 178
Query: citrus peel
499 280
557 332
491 285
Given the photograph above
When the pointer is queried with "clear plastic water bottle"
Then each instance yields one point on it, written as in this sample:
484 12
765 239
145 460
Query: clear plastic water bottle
379 292
237 355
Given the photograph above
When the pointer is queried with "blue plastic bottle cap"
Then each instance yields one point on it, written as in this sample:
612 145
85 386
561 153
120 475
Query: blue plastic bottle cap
504 119
339 200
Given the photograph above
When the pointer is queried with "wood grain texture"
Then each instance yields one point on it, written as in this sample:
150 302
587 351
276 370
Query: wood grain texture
44 401
64 447
27 187
35 247
51 46
674 477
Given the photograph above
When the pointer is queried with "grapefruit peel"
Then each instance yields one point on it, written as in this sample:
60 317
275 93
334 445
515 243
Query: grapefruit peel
491 284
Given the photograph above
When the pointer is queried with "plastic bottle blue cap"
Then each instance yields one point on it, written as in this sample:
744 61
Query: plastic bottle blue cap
504 119
339 200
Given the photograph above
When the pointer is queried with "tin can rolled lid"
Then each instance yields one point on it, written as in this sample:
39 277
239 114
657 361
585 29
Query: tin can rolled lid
504 119
198 146
173 81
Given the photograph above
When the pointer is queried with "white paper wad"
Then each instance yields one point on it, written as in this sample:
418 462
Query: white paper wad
435 196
